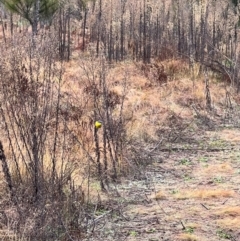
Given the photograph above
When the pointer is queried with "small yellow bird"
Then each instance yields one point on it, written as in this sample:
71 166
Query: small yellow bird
98 124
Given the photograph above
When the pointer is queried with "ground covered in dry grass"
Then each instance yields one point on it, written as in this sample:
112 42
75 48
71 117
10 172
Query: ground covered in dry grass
189 188
183 181
188 193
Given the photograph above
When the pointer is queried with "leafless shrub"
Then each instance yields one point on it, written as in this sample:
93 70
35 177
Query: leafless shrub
38 168
155 72
108 106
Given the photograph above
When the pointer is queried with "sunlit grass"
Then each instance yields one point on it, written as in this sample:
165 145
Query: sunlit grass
229 222
204 194
187 237
232 211
218 168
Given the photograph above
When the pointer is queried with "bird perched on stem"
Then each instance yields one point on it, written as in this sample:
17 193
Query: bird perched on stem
98 124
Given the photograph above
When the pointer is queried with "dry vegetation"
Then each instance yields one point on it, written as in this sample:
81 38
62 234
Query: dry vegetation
166 117
164 165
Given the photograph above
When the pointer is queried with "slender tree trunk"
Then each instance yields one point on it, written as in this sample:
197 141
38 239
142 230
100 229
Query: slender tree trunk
84 28
11 24
6 170
140 34
144 33
63 23
36 18
190 35
35 160
203 31
122 29
68 20
99 26
3 30
156 38
179 20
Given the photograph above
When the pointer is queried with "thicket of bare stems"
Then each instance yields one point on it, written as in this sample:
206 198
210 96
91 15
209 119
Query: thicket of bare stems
201 31
198 31
42 128
43 200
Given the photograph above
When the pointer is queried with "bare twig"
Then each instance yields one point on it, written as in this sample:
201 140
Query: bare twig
204 206
182 225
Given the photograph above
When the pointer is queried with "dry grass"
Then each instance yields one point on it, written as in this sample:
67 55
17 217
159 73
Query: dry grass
192 225
160 196
204 194
148 106
233 211
176 68
187 237
138 209
230 223
217 169
229 135
148 109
